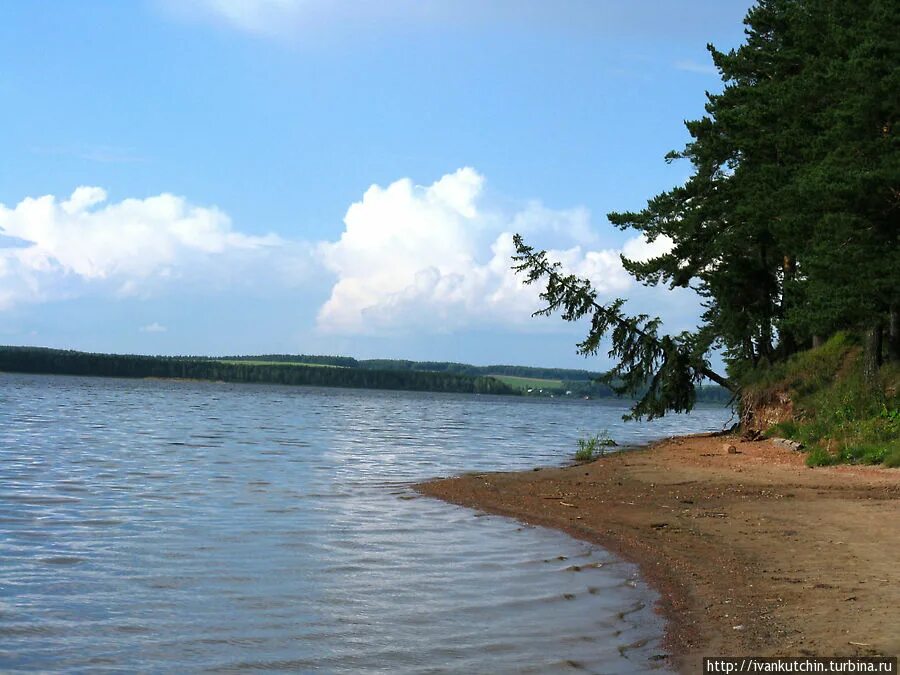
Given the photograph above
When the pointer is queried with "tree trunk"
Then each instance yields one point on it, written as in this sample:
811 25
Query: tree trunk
893 341
872 353
764 346
787 344
817 341
749 351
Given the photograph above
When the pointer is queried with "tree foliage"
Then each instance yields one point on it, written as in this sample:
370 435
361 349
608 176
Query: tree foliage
428 366
67 362
661 371
788 225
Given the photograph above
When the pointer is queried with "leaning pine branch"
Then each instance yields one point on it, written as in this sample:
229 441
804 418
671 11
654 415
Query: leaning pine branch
576 298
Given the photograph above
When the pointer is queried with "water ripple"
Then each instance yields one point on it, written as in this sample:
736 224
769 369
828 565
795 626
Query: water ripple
170 526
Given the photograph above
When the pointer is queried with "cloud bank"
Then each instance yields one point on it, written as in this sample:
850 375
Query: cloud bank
409 259
432 258
52 248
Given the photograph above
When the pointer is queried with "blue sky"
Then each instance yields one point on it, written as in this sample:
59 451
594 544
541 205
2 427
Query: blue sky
252 176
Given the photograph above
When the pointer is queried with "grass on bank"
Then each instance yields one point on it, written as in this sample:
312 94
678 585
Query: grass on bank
250 362
592 447
837 416
526 383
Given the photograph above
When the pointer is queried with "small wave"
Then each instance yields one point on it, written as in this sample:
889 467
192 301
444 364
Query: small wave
62 560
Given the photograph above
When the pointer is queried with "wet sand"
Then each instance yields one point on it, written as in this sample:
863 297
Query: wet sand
752 552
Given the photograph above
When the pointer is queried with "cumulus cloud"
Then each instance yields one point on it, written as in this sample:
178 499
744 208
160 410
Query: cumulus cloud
409 259
49 246
432 258
641 250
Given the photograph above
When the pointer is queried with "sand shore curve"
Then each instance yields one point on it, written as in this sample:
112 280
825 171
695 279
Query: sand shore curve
752 552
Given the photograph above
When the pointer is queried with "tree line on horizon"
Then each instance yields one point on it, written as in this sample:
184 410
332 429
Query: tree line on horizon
538 372
789 225
69 362
304 369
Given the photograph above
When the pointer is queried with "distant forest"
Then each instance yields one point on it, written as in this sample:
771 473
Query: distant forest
429 366
568 381
65 362
326 371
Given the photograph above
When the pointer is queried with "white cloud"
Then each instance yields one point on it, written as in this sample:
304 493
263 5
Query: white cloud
431 258
572 223
641 250
153 328
690 66
65 246
410 258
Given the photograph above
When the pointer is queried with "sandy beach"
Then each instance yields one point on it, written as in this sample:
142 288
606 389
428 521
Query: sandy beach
752 552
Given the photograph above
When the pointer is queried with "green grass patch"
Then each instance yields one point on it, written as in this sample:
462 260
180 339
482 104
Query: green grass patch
819 457
592 447
892 459
277 363
526 383
838 416
806 371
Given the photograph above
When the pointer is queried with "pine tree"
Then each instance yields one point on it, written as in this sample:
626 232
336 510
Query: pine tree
733 223
788 226
662 371
850 184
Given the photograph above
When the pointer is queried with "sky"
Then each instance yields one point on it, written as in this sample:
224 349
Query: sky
336 177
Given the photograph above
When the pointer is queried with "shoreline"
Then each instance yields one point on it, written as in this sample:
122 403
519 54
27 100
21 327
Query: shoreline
751 552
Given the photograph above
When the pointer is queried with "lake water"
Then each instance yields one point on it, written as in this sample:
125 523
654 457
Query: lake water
151 526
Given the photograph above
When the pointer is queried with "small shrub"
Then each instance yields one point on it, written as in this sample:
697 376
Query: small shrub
837 412
805 371
786 429
585 453
813 432
891 418
819 457
892 460
593 446
862 454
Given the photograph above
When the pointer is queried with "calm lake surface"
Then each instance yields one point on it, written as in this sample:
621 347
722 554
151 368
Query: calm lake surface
150 526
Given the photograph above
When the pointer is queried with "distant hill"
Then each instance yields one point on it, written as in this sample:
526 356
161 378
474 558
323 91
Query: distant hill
426 366
327 371
304 359
526 380
259 369
468 369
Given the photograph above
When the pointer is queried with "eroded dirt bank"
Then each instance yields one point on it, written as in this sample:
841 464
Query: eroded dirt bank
752 552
